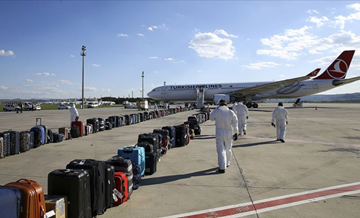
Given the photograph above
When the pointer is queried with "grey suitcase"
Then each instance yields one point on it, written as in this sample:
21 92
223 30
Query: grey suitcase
24 141
6 142
2 148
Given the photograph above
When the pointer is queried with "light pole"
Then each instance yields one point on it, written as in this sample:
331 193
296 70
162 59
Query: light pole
142 89
83 54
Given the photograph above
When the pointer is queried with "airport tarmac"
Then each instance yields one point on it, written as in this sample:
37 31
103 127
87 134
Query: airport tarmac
314 174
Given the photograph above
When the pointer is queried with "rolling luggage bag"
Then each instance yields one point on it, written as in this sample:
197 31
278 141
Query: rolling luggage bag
39 136
14 142
32 198
150 163
152 139
65 132
95 124
75 132
149 148
75 184
32 138
172 134
80 125
50 136
58 137
113 120
181 135
109 185
2 148
101 124
121 164
24 141
166 144
135 154
163 149
6 142
121 185
97 182
10 202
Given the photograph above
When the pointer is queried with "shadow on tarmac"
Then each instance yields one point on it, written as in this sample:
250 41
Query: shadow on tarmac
205 137
166 179
255 144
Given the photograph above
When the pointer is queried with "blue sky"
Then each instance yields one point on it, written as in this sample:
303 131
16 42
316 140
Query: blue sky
180 42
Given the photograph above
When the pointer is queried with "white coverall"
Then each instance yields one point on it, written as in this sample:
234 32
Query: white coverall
242 113
280 115
224 120
73 113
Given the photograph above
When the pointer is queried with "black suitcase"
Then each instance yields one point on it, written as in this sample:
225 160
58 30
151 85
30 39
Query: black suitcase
58 137
109 185
150 138
181 135
97 182
75 184
24 141
114 121
147 146
101 124
75 132
50 136
95 124
6 142
165 135
151 160
14 142
127 119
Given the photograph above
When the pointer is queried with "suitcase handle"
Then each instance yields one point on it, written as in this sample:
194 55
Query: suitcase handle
27 180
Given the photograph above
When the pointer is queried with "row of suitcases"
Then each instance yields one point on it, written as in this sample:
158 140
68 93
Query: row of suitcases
90 187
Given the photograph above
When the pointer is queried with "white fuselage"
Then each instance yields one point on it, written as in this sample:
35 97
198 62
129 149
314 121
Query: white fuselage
189 92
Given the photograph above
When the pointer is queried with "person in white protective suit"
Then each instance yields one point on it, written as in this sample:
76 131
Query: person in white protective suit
242 114
73 114
155 107
280 117
225 122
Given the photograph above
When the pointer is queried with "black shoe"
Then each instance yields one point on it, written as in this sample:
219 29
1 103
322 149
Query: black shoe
282 140
244 132
221 171
277 139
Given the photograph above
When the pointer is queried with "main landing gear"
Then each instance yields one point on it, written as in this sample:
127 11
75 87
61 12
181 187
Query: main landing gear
251 104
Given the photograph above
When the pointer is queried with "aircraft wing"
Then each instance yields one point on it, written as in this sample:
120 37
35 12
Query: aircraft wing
345 81
272 85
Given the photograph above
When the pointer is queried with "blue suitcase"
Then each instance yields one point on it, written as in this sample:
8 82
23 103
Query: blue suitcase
135 154
39 135
10 202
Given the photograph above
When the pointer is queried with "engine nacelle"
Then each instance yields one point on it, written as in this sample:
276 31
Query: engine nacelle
217 98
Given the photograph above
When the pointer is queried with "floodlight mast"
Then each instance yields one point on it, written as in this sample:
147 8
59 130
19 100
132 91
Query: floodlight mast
83 54
142 90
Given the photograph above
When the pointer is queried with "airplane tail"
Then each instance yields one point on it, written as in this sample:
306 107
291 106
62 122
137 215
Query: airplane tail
338 68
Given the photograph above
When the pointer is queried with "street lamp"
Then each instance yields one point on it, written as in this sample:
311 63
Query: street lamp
83 54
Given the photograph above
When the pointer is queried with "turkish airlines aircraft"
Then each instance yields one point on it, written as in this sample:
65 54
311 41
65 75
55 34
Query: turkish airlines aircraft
332 77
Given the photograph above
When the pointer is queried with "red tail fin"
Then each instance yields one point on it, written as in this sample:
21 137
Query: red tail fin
339 68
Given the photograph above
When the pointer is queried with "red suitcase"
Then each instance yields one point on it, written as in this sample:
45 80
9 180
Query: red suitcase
121 186
80 125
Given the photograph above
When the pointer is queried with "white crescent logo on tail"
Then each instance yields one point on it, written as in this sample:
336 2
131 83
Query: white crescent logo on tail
337 72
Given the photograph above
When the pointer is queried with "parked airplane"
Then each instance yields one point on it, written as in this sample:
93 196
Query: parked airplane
332 77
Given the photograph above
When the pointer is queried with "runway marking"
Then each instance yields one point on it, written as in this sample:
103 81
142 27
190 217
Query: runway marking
245 209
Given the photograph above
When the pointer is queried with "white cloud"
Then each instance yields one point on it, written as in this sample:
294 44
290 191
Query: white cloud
106 90
122 35
152 28
312 11
139 34
210 45
260 65
154 57
4 88
319 21
46 74
38 74
341 20
29 80
65 82
72 56
6 53
169 59
95 65
289 65
224 33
